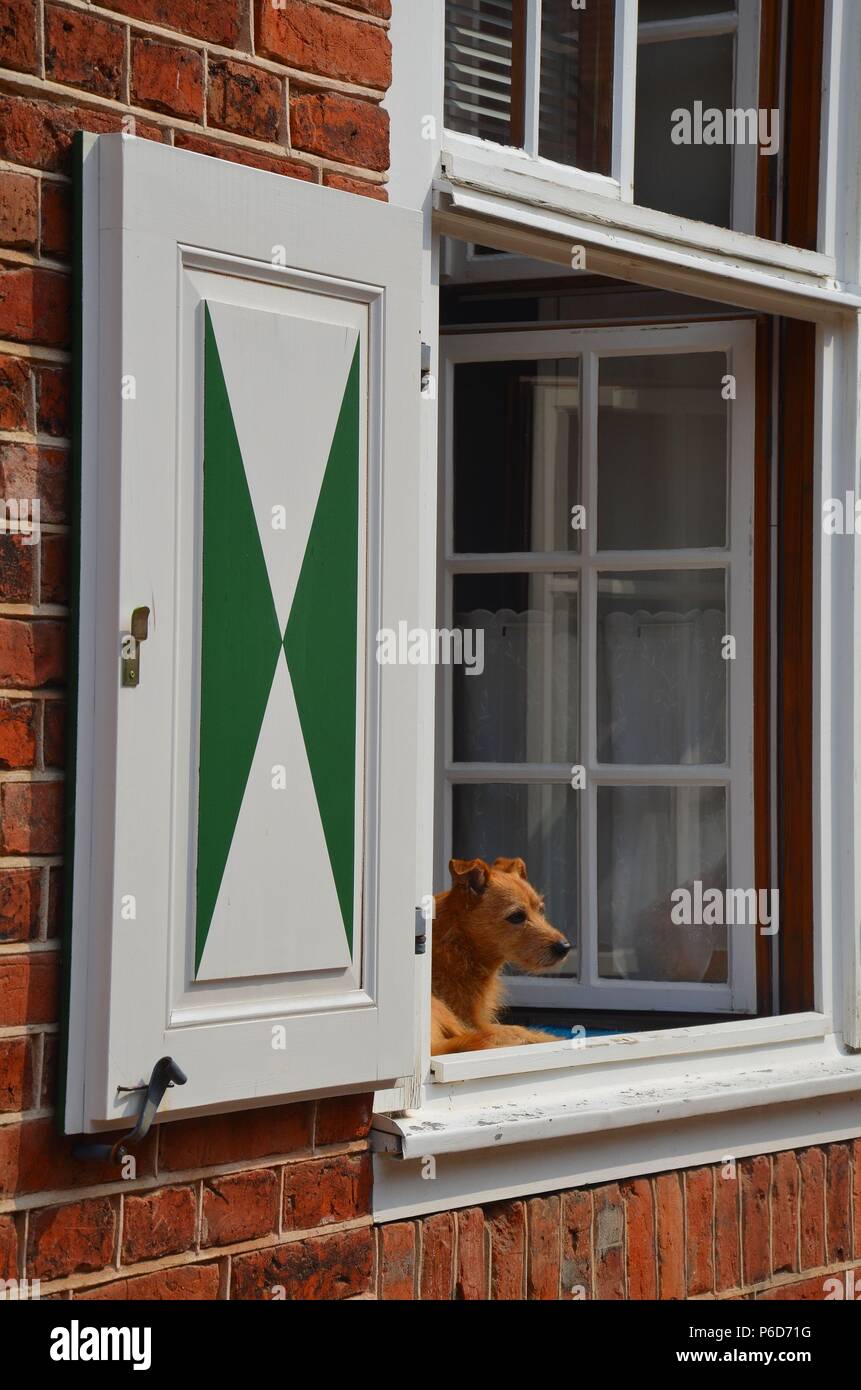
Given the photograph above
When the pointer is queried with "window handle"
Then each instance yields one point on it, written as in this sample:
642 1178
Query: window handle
131 664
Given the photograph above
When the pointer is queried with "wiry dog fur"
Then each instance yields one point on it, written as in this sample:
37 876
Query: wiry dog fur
490 917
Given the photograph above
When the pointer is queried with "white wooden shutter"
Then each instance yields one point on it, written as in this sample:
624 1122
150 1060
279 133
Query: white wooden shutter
244 813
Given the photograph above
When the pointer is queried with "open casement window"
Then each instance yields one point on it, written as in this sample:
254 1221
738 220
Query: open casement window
699 117
243 822
599 534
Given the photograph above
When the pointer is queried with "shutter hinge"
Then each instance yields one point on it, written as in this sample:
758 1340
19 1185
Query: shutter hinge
425 377
421 932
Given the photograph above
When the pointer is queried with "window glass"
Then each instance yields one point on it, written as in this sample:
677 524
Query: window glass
516 456
661 677
662 452
693 179
539 824
524 705
479 37
576 97
651 842
682 9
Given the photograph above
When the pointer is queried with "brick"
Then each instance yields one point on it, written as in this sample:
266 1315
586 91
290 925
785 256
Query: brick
577 1245
333 1266
245 99
838 1204
360 186
470 1282
437 1272
19 222
32 818
54 585
322 1191
17 733
243 1137
35 307
312 39
243 1206
18 35
54 400
397 1254
167 78
54 733
341 128
34 1158
727 1231
856 1201
755 1177
609 1237
16 1074
784 1213
40 133
381 8
159 1223
190 1282
32 652
29 989
9 1263
84 51
342 1119
17 574
56 219
699 1225
217 21
31 471
640 1249
507 1224
670 1225
543 1248
217 149
56 902
16 398
73 1239
822 1288
811 1169
20 904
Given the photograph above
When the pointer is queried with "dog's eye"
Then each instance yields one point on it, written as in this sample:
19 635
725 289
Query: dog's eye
517 917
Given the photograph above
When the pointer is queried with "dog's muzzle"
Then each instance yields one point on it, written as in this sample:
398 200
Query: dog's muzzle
561 949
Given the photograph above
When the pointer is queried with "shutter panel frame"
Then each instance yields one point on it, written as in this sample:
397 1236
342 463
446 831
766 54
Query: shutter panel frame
163 232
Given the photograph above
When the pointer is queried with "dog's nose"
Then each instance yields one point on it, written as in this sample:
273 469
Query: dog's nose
561 948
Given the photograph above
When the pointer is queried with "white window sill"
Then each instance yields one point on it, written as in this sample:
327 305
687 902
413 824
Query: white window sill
556 1129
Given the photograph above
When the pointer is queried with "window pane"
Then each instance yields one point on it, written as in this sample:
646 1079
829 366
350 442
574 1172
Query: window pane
682 9
524 706
516 455
662 452
662 681
538 824
479 38
693 180
576 99
651 841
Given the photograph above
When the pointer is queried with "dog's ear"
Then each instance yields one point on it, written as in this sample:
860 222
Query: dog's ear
510 866
469 873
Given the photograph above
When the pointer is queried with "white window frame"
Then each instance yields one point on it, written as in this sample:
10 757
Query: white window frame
518 185
737 340
553 1115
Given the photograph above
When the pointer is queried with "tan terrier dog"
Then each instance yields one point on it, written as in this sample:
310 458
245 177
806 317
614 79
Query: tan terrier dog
490 917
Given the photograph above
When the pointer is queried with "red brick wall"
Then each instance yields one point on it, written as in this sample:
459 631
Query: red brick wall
219 1208
250 1205
771 1227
